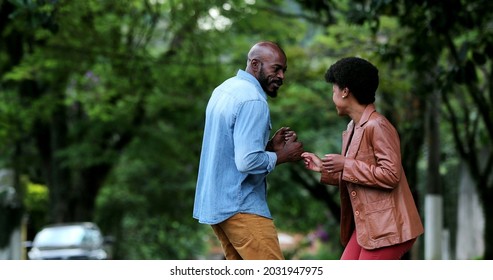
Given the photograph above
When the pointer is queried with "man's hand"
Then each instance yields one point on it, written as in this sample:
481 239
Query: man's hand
291 151
279 139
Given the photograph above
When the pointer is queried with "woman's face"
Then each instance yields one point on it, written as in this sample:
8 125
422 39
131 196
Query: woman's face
339 98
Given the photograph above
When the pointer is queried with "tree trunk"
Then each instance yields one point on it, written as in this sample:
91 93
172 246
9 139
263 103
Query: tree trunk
434 205
61 196
470 219
488 215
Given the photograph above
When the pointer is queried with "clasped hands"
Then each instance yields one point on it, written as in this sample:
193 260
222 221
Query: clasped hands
284 143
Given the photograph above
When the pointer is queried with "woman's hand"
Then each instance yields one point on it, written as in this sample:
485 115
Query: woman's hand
333 163
312 162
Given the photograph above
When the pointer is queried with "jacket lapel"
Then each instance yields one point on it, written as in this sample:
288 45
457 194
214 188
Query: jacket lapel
351 151
346 136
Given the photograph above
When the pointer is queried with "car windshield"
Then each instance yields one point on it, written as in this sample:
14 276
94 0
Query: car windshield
59 236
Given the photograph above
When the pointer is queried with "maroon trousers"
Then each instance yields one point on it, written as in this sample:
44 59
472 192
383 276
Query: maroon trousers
354 251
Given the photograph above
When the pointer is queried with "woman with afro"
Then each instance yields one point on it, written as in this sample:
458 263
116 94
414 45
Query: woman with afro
379 218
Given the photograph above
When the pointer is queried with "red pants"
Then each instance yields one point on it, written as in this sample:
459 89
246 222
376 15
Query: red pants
354 251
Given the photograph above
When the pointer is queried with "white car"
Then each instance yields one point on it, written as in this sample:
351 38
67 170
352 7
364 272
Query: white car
73 241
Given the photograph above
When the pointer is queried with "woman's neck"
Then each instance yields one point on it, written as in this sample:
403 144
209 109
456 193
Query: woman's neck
357 112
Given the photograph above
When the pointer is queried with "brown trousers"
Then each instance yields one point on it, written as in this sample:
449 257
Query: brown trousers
248 237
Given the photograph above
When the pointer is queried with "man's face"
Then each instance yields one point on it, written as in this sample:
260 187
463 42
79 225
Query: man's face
271 76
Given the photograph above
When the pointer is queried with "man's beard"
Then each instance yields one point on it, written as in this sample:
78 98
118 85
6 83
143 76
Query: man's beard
264 83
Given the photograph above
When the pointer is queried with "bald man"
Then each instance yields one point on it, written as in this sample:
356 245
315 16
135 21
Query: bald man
237 156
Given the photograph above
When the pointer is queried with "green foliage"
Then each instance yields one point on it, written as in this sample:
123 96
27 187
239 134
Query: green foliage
36 203
36 198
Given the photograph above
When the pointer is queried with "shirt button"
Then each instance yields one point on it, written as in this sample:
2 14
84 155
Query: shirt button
356 213
353 193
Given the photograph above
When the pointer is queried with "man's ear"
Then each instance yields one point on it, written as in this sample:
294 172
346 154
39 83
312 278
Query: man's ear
256 65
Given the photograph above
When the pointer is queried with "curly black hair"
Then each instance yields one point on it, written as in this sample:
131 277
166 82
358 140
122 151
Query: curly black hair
358 75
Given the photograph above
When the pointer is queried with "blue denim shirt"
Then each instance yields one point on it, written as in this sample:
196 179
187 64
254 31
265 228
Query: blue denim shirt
233 161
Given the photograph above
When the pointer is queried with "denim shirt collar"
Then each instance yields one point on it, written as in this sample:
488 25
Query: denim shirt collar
242 74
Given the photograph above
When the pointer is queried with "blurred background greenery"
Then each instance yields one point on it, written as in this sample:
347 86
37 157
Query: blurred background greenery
102 110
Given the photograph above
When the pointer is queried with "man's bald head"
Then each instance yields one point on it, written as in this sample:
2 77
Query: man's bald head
265 49
267 62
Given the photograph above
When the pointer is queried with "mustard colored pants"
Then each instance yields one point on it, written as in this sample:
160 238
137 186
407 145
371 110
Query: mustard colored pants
248 237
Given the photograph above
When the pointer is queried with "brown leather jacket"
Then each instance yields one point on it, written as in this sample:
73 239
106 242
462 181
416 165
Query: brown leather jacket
375 195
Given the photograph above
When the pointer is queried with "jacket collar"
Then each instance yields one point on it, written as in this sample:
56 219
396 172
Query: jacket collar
370 108
356 137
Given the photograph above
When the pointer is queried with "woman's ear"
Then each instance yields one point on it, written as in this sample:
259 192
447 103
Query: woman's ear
345 92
